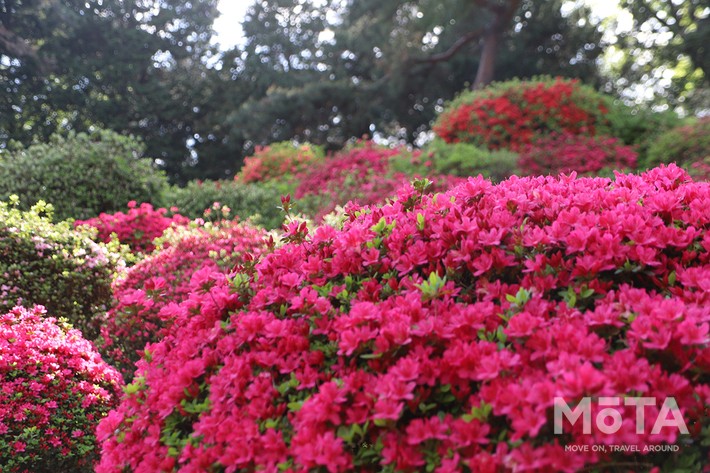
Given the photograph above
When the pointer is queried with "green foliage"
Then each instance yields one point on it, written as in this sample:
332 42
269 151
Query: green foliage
279 162
129 66
259 201
459 159
53 265
639 126
688 146
677 33
81 174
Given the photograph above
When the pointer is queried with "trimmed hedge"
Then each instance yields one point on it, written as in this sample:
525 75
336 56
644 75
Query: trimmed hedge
81 175
687 146
258 201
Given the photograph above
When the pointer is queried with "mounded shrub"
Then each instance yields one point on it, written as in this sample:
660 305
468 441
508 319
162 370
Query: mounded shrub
54 265
363 174
81 175
279 161
260 202
54 389
509 115
459 159
433 334
558 153
687 146
146 293
639 127
136 228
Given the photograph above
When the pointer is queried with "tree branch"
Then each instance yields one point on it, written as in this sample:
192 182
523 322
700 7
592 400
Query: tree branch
454 48
15 46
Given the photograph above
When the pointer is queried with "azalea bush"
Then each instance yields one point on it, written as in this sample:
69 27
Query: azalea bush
258 201
433 334
146 294
54 265
54 389
458 159
364 174
279 161
136 228
688 146
82 174
510 115
557 153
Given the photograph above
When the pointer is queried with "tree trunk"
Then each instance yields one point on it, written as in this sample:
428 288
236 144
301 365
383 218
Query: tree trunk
487 64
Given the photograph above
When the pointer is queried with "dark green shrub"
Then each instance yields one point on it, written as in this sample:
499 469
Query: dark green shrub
81 174
53 265
688 146
638 127
259 201
459 159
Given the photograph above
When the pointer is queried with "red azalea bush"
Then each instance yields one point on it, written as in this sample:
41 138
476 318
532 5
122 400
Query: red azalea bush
558 153
137 228
278 160
145 295
363 174
54 388
433 334
510 115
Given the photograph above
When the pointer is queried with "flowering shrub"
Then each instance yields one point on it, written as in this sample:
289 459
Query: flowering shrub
53 265
258 202
279 161
432 334
137 228
363 174
688 146
146 294
557 153
512 114
54 388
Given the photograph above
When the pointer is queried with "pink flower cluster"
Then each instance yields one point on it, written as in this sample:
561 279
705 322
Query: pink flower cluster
54 388
146 294
564 152
137 228
362 175
433 334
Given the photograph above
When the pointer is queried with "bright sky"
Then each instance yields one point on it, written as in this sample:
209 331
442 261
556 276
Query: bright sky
228 25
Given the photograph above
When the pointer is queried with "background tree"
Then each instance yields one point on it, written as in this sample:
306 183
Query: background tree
666 50
134 67
328 71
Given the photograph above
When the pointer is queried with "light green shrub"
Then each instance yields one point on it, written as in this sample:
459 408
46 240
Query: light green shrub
259 201
54 265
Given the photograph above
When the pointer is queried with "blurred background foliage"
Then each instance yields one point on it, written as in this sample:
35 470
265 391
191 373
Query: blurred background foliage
319 71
